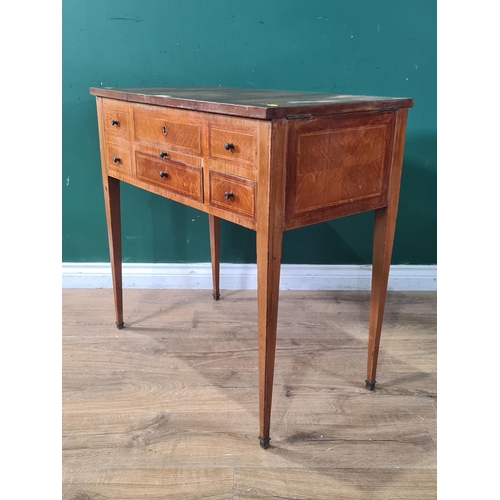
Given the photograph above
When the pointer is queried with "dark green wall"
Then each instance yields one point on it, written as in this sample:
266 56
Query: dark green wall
360 47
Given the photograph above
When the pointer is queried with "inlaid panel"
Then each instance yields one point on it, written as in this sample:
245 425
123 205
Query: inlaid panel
337 160
339 165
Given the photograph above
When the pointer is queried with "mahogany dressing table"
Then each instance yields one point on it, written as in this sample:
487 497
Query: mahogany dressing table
267 160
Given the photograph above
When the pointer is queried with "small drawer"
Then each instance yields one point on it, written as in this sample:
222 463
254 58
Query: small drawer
116 123
170 175
118 158
229 144
229 192
166 128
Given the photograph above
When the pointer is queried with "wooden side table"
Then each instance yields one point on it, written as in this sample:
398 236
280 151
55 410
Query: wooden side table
267 160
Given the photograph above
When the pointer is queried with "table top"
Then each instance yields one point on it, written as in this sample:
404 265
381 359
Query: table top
253 103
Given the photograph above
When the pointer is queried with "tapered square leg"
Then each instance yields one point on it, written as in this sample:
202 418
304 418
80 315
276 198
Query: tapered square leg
214 228
385 225
268 282
112 204
382 251
270 223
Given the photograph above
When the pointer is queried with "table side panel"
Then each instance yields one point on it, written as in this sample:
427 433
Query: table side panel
337 165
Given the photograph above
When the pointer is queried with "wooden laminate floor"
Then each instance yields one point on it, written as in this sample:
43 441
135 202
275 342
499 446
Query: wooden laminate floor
168 406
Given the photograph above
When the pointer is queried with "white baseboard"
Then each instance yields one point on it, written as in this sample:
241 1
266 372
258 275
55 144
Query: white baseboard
244 276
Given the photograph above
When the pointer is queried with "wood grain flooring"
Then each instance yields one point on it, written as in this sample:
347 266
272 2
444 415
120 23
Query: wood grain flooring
168 406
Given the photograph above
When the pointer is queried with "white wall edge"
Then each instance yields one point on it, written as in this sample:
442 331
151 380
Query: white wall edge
244 276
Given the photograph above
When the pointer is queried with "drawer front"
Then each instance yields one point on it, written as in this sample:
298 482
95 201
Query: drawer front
166 130
228 144
118 158
232 193
116 123
171 175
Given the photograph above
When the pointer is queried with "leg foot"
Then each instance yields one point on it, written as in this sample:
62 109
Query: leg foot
264 443
370 385
120 325
216 296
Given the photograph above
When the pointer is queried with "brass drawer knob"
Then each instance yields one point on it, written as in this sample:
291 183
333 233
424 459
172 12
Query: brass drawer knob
163 154
163 174
228 146
228 194
116 159
114 122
